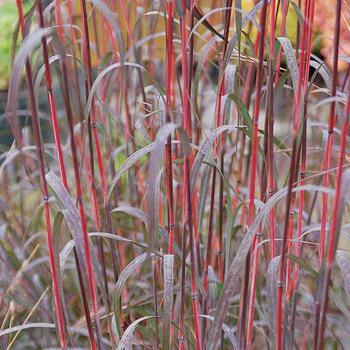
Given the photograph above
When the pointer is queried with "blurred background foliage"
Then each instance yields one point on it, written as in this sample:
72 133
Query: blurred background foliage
324 25
8 20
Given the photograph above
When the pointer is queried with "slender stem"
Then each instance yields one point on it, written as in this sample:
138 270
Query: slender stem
92 132
222 157
168 153
270 117
191 72
335 225
187 212
303 145
79 192
75 65
213 184
245 285
321 305
253 170
52 103
44 188
60 159
293 167
282 33
209 235
330 139
169 167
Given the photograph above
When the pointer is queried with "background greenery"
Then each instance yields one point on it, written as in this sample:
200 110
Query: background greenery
9 16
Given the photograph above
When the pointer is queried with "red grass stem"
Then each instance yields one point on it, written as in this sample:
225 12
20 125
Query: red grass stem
44 189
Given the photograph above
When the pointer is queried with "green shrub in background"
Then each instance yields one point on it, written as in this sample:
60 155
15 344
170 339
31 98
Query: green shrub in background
8 20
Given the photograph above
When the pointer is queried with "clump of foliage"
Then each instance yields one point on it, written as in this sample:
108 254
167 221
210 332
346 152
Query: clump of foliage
192 191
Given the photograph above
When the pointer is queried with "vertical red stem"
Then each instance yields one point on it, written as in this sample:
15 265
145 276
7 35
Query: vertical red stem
303 150
335 225
253 170
287 219
328 151
187 212
169 167
44 189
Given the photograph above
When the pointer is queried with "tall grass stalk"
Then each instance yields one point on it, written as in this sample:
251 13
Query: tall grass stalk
44 188
60 155
270 117
218 152
335 224
169 165
79 192
221 120
285 5
321 305
187 205
330 138
245 285
302 172
287 229
253 170
52 103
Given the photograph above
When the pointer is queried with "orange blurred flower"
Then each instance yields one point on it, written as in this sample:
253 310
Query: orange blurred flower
325 23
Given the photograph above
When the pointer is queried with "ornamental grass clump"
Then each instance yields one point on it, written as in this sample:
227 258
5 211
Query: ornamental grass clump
178 177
